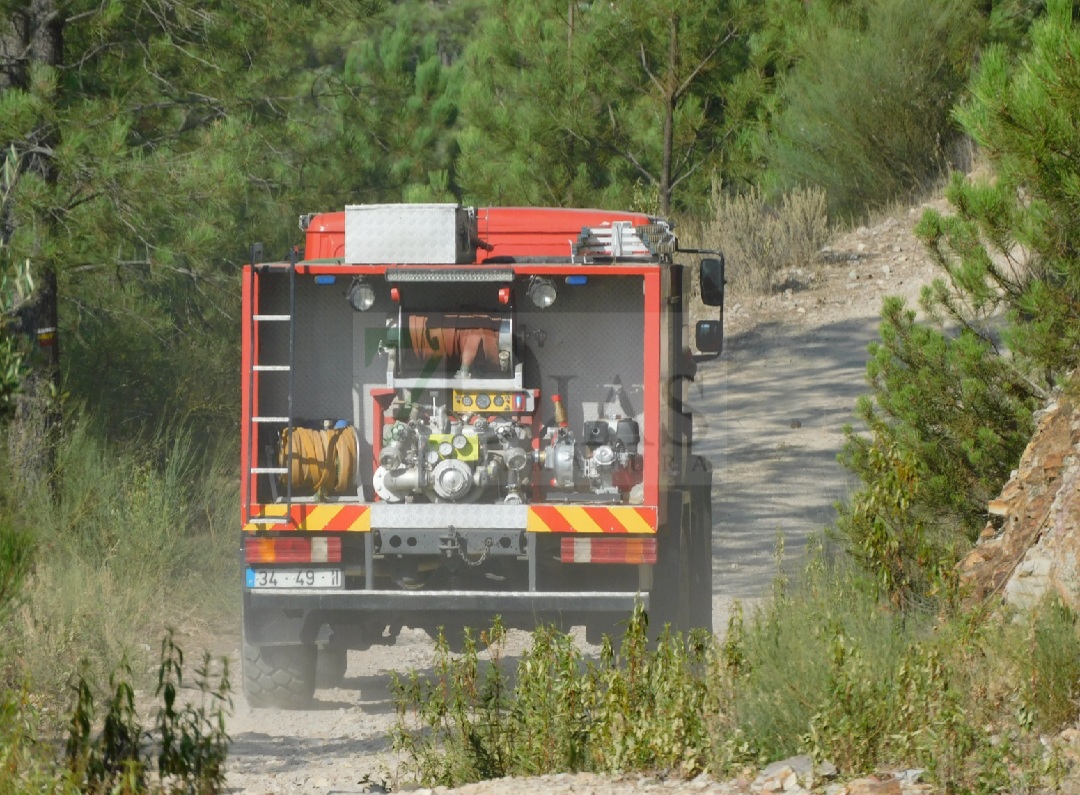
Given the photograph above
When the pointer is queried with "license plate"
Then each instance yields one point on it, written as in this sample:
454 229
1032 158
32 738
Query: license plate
294 578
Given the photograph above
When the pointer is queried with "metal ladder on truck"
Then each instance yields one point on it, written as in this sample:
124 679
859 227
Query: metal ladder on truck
257 420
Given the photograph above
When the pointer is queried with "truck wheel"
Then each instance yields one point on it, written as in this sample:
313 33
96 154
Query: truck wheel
279 676
669 601
331 665
701 559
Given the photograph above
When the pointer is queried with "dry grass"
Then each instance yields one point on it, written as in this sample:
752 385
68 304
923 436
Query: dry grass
761 239
133 540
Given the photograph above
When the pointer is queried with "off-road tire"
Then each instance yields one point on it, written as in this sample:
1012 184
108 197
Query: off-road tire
669 601
281 677
330 666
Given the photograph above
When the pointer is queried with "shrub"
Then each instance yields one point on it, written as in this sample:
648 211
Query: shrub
950 415
1050 660
635 709
826 668
760 239
1010 247
866 114
946 422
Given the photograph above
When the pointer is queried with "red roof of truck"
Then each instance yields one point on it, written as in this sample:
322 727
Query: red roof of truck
510 231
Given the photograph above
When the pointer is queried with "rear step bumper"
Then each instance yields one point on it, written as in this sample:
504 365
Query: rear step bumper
501 602
288 617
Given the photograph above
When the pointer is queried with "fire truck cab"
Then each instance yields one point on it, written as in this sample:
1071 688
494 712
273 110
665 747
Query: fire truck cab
453 413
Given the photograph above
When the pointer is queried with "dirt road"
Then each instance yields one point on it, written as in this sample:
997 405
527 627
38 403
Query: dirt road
771 413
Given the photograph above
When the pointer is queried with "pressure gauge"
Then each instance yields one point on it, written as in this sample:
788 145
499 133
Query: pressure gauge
460 442
466 400
446 449
483 402
433 457
499 401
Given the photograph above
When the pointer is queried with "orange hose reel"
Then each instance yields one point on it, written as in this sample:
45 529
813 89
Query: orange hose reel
322 462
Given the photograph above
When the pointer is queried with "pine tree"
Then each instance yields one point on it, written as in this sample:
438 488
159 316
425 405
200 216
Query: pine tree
531 123
680 71
574 104
1012 246
951 410
378 118
140 145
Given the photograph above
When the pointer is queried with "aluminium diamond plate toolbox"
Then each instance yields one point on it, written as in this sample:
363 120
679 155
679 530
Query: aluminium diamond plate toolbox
408 233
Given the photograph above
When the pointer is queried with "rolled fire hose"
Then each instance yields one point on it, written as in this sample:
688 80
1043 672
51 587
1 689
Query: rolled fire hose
457 339
323 461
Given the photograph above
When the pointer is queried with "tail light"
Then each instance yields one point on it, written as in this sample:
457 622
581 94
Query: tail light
578 549
293 549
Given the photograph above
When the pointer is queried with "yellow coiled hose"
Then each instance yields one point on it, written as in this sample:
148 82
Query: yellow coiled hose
323 462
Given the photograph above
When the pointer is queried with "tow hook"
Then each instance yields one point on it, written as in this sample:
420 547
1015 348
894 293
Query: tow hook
450 543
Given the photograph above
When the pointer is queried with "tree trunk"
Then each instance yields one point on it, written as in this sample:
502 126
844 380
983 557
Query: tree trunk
34 35
670 98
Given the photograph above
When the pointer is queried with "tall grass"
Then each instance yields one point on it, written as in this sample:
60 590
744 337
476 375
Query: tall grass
127 540
762 238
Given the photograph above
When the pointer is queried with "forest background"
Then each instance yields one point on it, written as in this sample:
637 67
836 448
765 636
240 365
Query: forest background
146 144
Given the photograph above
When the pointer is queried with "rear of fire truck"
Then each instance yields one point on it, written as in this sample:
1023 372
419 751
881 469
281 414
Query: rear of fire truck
451 414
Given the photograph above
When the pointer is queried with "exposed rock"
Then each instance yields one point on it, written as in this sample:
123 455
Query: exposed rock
1031 546
873 786
910 776
794 775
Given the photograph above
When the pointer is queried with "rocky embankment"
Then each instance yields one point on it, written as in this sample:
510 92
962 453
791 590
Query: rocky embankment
1031 545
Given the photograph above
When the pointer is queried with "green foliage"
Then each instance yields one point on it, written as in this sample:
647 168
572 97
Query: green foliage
531 118
378 108
16 550
946 422
674 120
193 744
950 413
1010 21
825 668
132 159
187 745
866 108
573 105
637 709
25 765
132 539
1012 245
16 286
110 749
1050 661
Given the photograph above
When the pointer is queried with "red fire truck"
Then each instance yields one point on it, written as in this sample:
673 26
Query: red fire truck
453 413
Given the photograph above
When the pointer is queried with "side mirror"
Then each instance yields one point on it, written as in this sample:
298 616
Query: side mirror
709 336
711 279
